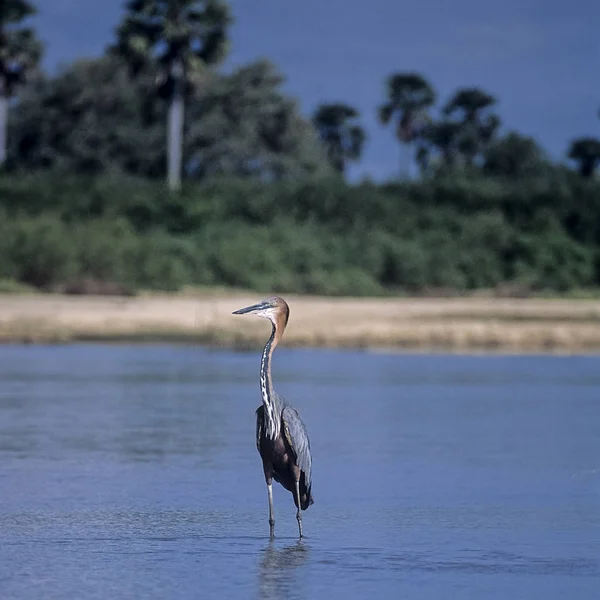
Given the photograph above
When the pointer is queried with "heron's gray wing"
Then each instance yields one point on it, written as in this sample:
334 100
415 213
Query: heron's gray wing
297 437
260 419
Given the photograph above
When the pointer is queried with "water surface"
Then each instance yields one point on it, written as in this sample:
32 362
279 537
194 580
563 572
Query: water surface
131 472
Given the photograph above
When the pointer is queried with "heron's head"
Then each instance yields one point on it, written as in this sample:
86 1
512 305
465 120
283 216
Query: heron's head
275 309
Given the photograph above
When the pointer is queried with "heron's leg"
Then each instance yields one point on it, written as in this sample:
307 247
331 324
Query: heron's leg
299 513
268 471
271 514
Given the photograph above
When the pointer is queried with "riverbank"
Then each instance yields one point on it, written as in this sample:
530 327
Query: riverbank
448 324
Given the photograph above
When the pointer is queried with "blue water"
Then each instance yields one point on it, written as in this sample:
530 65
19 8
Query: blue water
131 472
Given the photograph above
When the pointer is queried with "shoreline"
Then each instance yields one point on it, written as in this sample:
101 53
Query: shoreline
460 325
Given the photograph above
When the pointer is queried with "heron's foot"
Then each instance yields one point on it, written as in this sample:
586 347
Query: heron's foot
299 519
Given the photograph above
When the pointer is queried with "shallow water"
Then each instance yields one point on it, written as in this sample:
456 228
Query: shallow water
131 472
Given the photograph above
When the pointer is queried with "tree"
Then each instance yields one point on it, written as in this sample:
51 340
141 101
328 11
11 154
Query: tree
242 125
478 125
586 152
180 38
20 52
91 118
438 144
470 102
342 136
515 156
409 95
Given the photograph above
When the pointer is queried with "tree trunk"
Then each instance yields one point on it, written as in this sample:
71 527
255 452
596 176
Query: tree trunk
175 128
586 168
3 126
405 160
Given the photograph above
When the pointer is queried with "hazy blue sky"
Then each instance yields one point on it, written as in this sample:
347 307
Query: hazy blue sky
540 58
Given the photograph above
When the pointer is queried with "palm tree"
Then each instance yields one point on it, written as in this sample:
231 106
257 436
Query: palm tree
20 52
440 139
342 136
471 102
586 152
409 95
181 37
478 125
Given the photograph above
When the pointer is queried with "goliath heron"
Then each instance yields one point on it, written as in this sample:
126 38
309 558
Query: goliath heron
281 437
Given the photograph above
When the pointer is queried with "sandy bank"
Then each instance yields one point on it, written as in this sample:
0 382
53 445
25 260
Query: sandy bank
463 324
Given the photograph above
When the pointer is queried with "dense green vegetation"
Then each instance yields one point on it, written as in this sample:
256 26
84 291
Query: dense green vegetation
90 195
320 236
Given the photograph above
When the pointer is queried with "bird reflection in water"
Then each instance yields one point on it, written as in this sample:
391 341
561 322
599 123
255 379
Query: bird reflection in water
278 576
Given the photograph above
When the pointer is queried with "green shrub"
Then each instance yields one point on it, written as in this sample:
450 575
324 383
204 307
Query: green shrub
318 236
38 251
552 260
106 249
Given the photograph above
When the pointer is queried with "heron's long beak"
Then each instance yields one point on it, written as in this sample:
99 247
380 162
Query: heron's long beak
249 309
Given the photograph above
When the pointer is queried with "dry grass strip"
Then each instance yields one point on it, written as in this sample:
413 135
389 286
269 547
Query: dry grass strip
456 324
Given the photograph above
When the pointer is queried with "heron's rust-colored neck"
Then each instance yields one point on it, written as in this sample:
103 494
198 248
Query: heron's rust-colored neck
279 326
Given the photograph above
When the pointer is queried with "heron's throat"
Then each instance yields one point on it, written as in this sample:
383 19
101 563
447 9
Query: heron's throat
272 414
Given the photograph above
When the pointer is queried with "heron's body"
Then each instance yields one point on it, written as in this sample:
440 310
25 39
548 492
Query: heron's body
280 461
281 437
